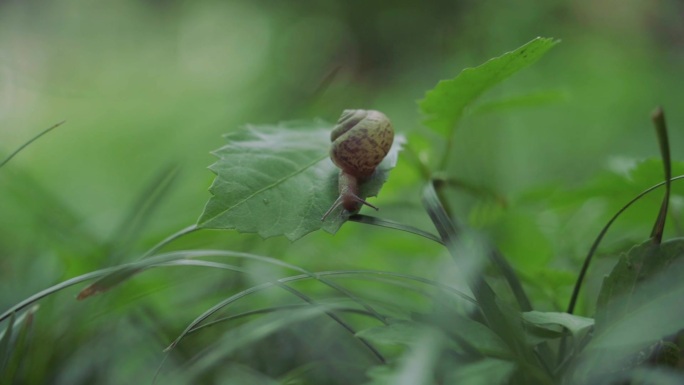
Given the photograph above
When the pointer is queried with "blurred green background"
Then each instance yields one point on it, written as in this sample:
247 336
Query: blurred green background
148 85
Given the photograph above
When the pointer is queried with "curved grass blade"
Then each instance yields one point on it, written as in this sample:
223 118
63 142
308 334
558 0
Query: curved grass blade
208 313
658 118
9 365
125 272
103 273
269 310
23 146
375 221
283 286
599 238
242 336
169 239
55 288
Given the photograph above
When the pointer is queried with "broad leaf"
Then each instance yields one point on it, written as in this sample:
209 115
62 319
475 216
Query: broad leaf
396 333
487 371
443 106
279 180
645 314
543 326
575 324
620 294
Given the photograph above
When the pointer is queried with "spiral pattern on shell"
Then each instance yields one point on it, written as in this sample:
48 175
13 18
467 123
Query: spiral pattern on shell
361 139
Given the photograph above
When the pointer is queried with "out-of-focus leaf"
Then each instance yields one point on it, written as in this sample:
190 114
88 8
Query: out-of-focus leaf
640 264
417 366
575 324
649 312
244 335
279 180
242 374
474 338
656 376
488 371
396 333
624 179
549 322
443 106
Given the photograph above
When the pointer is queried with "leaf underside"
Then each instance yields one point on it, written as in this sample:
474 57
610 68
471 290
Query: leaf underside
279 180
444 105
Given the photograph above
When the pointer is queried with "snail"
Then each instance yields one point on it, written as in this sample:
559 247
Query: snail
360 141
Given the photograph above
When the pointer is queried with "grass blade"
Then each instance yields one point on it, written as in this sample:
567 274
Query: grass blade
369 220
23 146
599 238
658 118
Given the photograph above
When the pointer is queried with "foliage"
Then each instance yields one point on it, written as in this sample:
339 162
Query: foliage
472 322
279 180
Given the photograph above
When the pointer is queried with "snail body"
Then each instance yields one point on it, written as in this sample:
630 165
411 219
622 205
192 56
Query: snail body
360 141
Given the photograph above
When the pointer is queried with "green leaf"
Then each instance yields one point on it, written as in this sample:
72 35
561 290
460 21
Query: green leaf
470 335
648 312
488 371
549 322
619 294
241 337
279 180
417 367
575 324
396 333
443 106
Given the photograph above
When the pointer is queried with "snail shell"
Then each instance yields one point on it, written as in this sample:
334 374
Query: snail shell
360 141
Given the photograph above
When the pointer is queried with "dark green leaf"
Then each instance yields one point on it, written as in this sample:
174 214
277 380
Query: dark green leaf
634 322
242 336
575 324
488 371
396 333
443 106
547 325
279 180
617 296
